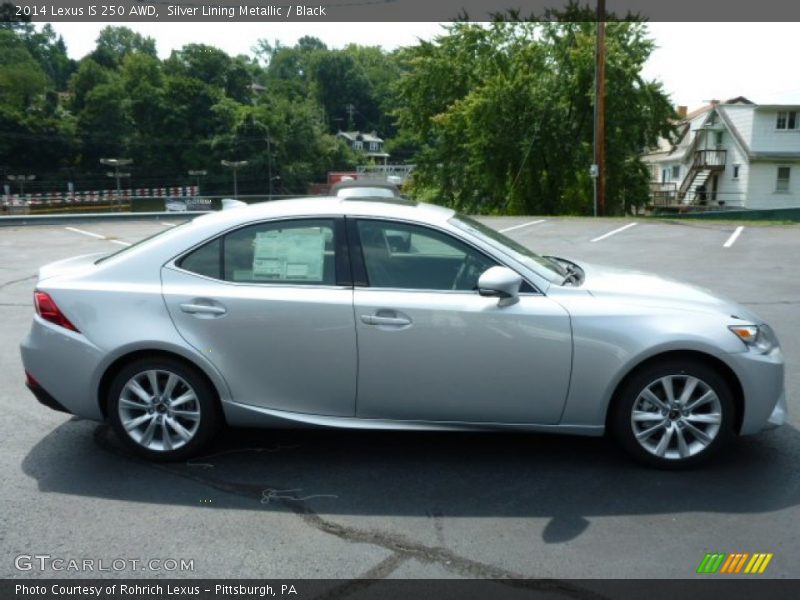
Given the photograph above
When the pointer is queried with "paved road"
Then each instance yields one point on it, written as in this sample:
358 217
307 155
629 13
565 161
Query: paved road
343 504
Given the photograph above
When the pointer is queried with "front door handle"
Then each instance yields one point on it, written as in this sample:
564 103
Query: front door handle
202 309
380 320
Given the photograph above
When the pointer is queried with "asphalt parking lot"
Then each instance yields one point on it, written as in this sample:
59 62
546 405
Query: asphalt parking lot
344 504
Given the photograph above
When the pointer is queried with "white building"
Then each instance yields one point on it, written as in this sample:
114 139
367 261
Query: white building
730 154
368 143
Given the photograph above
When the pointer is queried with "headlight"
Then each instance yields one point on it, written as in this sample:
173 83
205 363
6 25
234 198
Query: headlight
760 338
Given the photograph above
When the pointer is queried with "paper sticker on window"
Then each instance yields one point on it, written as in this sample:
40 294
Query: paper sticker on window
290 254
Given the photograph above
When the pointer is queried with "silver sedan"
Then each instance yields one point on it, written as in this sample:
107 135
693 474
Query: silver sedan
389 314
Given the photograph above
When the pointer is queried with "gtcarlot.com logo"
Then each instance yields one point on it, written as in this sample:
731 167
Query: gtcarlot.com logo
736 563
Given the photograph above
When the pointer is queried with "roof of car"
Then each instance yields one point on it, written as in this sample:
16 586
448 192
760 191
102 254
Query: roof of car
333 206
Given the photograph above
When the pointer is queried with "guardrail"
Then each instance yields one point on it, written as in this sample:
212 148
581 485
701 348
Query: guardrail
60 219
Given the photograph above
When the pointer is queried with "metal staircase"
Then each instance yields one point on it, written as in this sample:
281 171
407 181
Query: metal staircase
705 163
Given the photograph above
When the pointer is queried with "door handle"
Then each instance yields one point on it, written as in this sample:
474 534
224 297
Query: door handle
203 309
378 320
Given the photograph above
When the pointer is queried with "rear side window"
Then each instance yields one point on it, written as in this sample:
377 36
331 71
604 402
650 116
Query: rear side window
205 260
284 252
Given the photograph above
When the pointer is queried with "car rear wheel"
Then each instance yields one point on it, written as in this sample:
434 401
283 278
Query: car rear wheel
162 409
674 414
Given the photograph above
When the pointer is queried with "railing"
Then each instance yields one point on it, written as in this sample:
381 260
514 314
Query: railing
709 159
400 172
663 193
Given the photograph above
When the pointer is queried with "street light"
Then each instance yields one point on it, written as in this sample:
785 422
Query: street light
21 179
270 178
117 163
198 174
235 165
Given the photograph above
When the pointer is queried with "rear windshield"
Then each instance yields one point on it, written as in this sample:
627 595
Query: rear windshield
157 234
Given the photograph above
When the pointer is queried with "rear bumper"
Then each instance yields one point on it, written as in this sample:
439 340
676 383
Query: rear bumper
63 364
44 398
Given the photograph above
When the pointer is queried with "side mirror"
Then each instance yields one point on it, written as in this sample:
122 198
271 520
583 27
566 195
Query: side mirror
500 282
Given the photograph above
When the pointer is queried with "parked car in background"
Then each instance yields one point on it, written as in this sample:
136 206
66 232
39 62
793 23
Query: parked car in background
302 312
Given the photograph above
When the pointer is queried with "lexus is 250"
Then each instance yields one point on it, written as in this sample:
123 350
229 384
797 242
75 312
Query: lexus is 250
385 313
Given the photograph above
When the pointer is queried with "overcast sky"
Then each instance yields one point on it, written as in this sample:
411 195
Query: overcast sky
695 61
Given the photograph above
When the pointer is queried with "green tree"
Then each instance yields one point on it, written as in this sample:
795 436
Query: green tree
502 115
115 43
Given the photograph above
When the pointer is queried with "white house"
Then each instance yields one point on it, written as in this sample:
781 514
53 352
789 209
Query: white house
369 143
730 154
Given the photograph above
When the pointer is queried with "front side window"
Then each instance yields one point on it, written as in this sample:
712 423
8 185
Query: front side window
401 256
782 182
283 252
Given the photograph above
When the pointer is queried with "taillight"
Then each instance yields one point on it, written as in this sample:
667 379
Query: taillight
49 311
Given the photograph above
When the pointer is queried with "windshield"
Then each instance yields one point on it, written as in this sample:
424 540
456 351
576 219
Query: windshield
544 266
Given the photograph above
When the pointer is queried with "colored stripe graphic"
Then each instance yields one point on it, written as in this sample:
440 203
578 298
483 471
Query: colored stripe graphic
711 563
759 562
720 562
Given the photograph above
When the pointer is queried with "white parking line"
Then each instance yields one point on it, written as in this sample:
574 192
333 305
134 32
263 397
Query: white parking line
165 224
734 236
97 235
523 225
610 233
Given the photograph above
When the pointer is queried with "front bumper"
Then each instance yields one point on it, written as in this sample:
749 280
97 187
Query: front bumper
780 414
762 380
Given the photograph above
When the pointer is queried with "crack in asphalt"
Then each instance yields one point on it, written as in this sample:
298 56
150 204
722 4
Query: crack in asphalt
13 281
400 547
367 579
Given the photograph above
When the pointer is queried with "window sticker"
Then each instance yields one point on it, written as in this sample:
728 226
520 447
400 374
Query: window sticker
289 254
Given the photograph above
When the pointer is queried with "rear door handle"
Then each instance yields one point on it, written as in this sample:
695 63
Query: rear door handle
202 309
378 320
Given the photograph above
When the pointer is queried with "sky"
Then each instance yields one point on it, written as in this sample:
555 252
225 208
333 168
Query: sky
696 62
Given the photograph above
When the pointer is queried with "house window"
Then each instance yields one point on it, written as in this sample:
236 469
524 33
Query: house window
718 138
373 146
787 120
782 183
676 172
736 171
358 145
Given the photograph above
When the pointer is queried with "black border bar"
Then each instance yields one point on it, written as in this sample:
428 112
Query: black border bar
283 11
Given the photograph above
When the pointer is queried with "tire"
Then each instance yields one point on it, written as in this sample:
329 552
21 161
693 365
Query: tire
678 430
176 423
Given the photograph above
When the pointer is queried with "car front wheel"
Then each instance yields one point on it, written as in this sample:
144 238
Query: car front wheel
162 410
674 414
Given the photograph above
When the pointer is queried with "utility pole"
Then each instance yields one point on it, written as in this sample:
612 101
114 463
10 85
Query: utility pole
599 111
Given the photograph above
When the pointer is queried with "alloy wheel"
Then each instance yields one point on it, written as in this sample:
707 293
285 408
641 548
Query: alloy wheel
159 410
676 417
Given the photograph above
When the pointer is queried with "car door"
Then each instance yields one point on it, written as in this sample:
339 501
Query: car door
431 348
271 306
